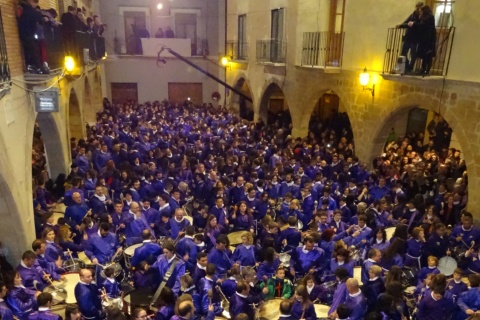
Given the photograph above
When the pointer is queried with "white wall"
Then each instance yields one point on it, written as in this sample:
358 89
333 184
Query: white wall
153 81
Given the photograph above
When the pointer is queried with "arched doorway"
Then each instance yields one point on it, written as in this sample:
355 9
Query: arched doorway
245 107
327 115
47 147
89 107
422 140
274 107
75 121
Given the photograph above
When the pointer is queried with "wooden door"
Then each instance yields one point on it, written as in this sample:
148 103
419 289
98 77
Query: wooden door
180 92
123 92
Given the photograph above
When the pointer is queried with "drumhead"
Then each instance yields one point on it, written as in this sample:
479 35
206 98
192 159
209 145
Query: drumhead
447 265
321 310
131 250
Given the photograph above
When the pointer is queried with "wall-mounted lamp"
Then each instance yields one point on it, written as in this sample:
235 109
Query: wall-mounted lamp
69 64
160 6
225 61
365 80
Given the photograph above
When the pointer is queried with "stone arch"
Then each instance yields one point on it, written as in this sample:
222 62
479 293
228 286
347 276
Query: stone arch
97 93
245 108
75 120
328 109
88 105
274 104
53 145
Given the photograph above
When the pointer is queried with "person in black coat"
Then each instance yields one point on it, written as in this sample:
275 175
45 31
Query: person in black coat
427 38
27 27
410 40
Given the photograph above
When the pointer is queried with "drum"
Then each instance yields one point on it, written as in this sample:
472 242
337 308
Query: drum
465 280
74 265
321 310
284 259
188 209
409 276
447 265
328 289
59 294
270 309
128 254
300 225
459 252
189 219
114 303
357 274
409 297
118 273
71 280
235 238
232 248
390 231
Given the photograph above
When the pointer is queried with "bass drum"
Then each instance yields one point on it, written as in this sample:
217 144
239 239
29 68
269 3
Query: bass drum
447 265
270 309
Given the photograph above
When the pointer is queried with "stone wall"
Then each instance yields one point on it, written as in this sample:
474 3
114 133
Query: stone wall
372 118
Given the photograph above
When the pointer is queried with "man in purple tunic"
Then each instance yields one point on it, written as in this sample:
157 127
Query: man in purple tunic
44 301
434 306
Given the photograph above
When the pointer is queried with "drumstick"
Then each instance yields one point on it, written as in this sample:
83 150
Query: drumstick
70 254
50 280
106 297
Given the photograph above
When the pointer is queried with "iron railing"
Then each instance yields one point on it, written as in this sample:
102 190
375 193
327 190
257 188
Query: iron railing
274 51
393 63
4 67
237 50
324 49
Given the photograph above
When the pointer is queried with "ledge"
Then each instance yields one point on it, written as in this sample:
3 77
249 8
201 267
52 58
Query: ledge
324 69
240 61
43 77
411 78
272 64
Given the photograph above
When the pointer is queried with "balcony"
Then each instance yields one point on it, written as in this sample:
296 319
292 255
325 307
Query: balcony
394 65
271 51
237 50
322 49
85 48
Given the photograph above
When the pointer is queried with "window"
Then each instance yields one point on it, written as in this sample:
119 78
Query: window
337 13
242 37
4 68
278 24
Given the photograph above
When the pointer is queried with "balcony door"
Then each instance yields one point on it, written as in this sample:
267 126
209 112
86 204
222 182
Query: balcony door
335 35
135 27
277 34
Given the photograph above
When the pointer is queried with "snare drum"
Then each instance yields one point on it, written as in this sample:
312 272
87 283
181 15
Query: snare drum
447 265
118 273
321 310
71 280
390 231
409 297
409 276
270 309
357 274
73 265
328 290
235 238
59 294
128 254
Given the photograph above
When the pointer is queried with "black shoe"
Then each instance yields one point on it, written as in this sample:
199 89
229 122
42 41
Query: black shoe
32 69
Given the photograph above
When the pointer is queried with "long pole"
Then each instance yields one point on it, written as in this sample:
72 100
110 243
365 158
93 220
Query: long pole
205 72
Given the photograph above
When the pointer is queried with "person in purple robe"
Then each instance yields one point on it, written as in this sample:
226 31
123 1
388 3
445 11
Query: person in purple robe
239 302
212 231
165 304
245 254
269 265
302 306
44 301
88 296
415 248
242 219
469 301
374 258
455 285
148 251
308 259
111 286
178 223
379 241
340 294
21 300
32 278
431 268
163 265
137 223
374 287
221 256
53 251
144 277
435 306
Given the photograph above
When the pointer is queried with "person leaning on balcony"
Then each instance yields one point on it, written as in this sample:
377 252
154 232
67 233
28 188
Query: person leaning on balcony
69 27
410 40
27 28
427 38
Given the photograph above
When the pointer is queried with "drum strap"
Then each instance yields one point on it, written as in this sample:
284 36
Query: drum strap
167 276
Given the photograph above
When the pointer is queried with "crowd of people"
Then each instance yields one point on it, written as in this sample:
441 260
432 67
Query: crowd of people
227 216
41 32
